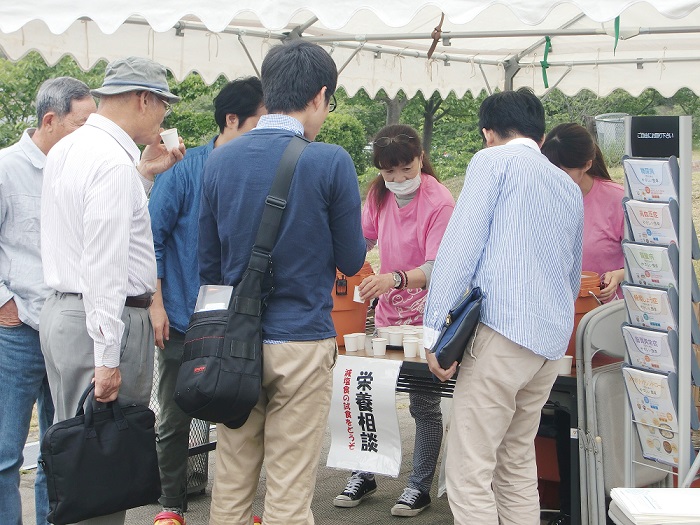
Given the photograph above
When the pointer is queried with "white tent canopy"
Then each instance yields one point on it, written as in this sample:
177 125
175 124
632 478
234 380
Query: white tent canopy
383 44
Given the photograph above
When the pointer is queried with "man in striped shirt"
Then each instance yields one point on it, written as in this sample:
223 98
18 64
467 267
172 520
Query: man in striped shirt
97 246
516 232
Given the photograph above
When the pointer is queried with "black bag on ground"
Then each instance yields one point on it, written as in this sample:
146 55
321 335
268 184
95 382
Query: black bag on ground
458 328
100 461
221 370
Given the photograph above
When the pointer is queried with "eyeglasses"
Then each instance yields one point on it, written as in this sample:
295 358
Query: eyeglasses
332 104
401 138
168 106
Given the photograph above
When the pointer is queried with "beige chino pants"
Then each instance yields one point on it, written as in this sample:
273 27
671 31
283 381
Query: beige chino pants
490 465
285 430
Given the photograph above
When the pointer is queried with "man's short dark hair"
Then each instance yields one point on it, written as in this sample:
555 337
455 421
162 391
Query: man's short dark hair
241 97
512 113
57 95
293 73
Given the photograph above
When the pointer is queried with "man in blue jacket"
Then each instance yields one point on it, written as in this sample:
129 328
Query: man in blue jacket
320 230
174 209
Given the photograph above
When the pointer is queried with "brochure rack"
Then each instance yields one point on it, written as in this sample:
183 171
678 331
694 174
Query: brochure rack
661 284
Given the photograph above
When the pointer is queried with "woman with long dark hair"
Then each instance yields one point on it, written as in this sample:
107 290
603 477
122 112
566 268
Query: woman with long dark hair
406 213
571 148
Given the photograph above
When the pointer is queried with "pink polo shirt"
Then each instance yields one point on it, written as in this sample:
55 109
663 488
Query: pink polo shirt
407 237
603 227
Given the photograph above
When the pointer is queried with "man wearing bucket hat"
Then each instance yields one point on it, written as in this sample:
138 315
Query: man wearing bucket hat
97 246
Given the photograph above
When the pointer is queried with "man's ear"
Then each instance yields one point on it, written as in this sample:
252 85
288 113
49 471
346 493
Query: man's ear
232 121
319 101
49 120
489 137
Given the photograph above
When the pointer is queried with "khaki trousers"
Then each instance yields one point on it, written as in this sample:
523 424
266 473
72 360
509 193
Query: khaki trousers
490 465
285 430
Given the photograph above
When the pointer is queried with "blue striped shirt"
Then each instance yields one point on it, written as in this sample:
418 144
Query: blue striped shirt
516 232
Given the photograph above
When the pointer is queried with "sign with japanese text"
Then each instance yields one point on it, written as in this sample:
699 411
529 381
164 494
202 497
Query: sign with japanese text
364 425
655 136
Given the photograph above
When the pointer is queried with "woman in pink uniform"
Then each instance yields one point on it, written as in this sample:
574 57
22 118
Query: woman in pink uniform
571 148
406 213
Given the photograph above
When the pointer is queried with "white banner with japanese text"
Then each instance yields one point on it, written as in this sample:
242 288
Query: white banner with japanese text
364 425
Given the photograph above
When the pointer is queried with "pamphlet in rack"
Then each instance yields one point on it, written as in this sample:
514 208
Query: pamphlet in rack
651 180
653 398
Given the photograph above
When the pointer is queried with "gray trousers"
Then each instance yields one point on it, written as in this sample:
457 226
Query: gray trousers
174 427
70 364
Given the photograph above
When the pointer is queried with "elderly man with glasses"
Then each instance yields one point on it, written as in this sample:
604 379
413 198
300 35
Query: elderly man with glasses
97 246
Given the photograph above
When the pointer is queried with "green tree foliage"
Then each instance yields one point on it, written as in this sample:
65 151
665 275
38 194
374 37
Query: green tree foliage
193 116
19 83
371 114
561 108
449 128
348 132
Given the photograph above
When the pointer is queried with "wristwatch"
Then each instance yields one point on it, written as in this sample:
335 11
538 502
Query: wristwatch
397 280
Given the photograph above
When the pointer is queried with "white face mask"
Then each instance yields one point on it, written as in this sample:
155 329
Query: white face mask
404 188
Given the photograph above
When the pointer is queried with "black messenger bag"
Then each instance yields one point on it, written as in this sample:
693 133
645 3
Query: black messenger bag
221 370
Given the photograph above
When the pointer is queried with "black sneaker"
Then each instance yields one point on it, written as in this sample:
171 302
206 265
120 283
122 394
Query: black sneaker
411 503
356 489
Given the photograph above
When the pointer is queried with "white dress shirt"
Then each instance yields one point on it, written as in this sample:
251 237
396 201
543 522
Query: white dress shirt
96 231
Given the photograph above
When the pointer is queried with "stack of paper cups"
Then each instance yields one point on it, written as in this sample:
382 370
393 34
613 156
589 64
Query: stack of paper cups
395 337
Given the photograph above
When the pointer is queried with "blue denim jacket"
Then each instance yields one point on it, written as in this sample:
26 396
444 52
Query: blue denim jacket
174 209
21 274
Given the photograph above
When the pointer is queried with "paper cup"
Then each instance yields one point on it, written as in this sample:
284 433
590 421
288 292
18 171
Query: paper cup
379 346
351 343
421 349
410 347
395 337
565 365
360 340
170 138
356 296
383 332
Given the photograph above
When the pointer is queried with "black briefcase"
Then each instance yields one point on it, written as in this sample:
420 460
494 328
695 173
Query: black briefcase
100 461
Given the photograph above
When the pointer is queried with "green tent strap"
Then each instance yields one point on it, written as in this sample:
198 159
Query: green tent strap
543 62
617 33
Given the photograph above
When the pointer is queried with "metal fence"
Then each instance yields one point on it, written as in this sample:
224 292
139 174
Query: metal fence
198 463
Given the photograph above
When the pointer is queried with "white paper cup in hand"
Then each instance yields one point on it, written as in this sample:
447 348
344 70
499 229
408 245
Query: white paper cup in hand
410 347
170 138
565 365
351 342
356 297
379 346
